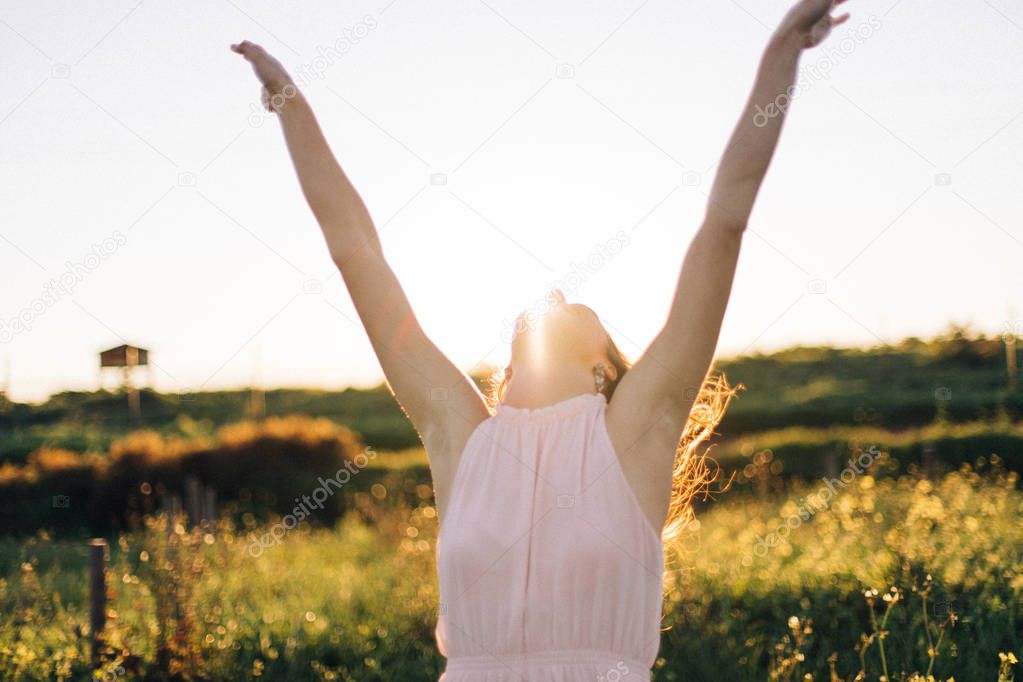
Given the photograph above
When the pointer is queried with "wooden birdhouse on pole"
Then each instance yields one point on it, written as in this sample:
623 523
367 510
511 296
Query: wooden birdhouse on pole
127 358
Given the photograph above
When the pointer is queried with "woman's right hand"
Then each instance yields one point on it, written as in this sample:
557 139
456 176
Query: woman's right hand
271 74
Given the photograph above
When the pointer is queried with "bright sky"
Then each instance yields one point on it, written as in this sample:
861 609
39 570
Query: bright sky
499 145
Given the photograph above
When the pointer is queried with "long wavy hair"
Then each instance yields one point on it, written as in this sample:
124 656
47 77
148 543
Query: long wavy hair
693 473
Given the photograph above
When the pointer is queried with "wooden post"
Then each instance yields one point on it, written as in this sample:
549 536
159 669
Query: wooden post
256 406
928 461
209 505
831 462
134 404
193 501
97 593
1010 361
173 512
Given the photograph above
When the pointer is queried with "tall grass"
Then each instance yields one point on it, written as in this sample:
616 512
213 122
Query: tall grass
884 567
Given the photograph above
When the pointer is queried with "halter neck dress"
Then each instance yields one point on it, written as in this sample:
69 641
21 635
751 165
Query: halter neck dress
549 571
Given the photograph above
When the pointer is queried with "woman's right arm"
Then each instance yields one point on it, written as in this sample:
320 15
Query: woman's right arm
443 403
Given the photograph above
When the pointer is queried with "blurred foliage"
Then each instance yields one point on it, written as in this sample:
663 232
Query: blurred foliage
881 568
255 467
800 452
909 570
91 422
957 376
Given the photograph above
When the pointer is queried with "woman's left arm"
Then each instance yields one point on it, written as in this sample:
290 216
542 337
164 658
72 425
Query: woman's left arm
659 391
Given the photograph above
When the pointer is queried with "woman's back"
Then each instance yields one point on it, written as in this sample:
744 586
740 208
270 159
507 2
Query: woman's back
548 568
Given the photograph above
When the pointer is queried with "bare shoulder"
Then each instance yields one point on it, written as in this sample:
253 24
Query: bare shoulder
645 429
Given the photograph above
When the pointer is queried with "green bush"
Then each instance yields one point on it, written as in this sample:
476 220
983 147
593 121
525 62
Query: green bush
258 467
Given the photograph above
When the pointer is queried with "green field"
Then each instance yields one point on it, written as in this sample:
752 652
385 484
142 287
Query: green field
912 566
957 377
358 602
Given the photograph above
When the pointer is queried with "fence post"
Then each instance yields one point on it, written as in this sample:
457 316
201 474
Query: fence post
97 593
1010 361
928 461
172 510
831 462
209 505
192 500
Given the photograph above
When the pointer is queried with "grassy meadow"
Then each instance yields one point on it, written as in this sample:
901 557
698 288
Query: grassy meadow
871 531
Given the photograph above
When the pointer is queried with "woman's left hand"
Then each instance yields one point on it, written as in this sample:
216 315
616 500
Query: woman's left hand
810 21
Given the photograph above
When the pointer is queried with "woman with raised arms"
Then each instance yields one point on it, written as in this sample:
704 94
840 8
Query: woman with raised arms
557 495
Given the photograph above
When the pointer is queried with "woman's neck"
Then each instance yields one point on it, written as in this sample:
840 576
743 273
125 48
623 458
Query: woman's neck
535 389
